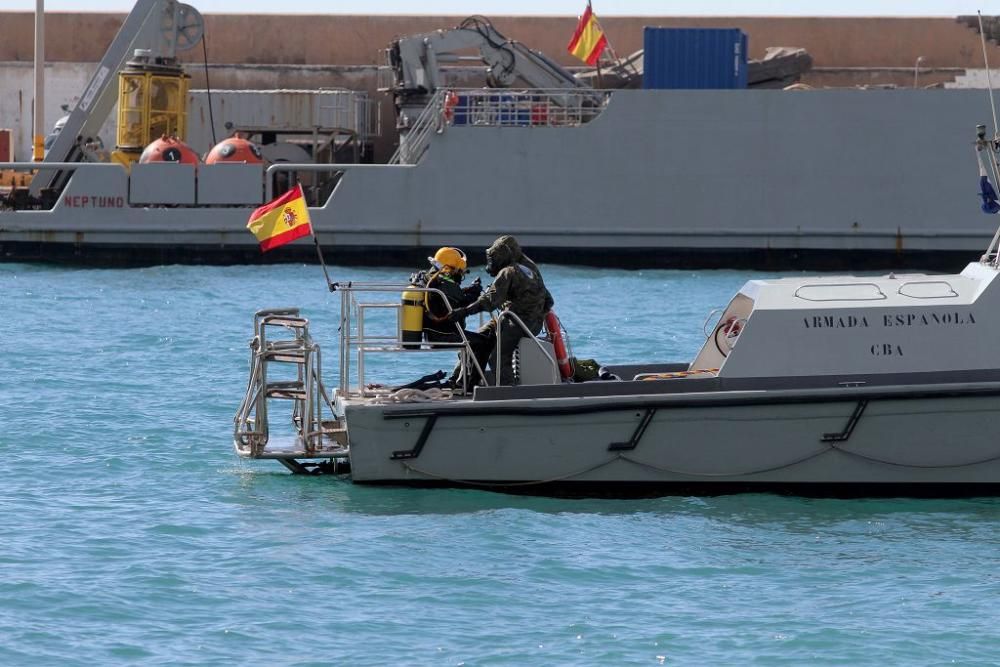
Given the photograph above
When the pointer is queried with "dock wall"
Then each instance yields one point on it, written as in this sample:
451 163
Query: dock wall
305 51
356 40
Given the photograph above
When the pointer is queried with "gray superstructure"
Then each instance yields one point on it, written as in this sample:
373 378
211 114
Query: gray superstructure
690 178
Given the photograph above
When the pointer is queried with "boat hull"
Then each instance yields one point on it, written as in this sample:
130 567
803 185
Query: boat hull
832 442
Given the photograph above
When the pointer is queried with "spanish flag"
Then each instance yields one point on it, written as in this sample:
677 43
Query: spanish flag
281 221
588 41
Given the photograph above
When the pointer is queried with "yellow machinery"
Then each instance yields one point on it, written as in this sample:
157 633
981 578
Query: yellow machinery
152 102
150 90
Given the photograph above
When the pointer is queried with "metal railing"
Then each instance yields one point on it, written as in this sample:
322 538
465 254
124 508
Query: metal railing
251 428
385 75
497 107
355 340
413 143
526 108
513 317
351 110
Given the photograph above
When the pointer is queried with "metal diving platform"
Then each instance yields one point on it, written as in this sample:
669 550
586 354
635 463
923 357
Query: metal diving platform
281 336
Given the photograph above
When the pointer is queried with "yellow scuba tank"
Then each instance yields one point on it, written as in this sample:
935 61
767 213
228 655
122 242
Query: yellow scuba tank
411 319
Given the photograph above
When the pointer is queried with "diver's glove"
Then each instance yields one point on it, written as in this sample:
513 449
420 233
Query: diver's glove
461 313
475 289
456 315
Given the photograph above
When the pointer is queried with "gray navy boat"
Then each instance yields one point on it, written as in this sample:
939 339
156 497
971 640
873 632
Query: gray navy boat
817 385
686 178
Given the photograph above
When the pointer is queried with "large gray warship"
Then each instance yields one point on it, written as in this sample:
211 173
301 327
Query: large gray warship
670 178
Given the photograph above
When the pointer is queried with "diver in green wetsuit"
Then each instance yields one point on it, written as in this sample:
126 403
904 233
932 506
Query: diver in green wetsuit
517 286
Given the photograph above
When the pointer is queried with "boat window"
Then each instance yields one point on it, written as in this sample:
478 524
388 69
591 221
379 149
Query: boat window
927 289
840 292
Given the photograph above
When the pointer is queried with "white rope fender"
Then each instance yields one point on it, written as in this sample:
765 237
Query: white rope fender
411 396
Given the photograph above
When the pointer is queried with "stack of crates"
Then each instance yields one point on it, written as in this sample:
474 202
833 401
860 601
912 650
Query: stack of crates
694 58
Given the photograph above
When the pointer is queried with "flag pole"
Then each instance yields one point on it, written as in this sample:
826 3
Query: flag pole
319 252
614 55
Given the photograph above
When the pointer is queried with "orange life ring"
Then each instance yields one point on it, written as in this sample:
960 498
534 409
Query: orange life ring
554 328
450 102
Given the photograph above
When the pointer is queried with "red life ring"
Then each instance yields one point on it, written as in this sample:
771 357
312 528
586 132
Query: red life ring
554 328
450 102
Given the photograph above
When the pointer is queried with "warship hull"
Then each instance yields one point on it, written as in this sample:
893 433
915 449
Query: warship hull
750 179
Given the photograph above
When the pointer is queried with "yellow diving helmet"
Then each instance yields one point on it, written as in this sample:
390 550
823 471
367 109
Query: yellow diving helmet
449 260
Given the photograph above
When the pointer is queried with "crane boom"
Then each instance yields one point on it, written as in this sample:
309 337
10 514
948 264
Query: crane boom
415 60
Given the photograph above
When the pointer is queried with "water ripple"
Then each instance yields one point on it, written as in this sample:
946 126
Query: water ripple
131 533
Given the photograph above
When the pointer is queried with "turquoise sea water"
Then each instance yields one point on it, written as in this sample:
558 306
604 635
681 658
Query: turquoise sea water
131 534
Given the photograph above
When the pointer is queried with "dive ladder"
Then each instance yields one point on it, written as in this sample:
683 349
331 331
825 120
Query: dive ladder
319 433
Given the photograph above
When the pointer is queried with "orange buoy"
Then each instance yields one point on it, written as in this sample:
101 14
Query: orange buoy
554 327
234 149
168 149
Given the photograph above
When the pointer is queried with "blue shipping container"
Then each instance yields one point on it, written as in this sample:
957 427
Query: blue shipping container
689 58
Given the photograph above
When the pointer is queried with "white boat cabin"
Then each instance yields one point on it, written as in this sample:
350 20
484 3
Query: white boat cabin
898 323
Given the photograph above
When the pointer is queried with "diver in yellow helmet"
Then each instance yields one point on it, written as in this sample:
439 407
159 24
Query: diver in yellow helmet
422 316
449 260
448 268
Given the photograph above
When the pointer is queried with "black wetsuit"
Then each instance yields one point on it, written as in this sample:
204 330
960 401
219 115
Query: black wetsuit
438 330
518 286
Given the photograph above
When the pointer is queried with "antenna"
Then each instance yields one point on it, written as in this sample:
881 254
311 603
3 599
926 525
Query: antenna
986 62
983 144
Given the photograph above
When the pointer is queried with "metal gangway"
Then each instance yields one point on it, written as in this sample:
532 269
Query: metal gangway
281 336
